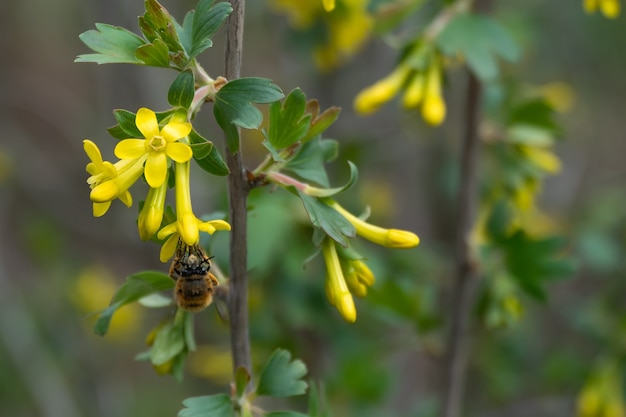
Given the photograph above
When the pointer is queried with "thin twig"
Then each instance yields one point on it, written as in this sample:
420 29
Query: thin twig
237 197
463 291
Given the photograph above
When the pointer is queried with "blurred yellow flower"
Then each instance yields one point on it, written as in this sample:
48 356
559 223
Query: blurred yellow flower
609 8
602 395
371 98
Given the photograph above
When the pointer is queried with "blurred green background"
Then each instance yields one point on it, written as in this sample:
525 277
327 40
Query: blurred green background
59 265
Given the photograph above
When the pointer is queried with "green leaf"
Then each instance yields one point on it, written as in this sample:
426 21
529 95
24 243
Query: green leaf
479 39
318 402
182 90
230 130
324 217
136 286
207 156
327 192
218 405
126 122
530 135
235 99
242 378
154 54
113 44
206 21
158 25
288 124
169 342
308 163
322 122
282 377
536 112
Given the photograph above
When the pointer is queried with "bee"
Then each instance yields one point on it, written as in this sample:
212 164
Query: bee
194 283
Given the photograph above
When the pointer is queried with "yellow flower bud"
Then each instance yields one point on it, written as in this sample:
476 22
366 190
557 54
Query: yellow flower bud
414 92
433 108
374 96
151 214
391 238
336 286
329 5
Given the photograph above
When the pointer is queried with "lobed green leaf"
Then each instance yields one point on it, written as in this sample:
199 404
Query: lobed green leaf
207 156
479 39
288 123
218 405
155 54
114 45
206 20
282 377
329 220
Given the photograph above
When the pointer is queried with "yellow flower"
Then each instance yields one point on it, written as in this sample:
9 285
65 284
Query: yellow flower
157 145
414 92
151 214
109 181
609 8
329 5
371 98
187 226
391 238
434 107
336 287
358 276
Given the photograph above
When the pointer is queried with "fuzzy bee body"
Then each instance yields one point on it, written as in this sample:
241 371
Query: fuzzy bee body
194 282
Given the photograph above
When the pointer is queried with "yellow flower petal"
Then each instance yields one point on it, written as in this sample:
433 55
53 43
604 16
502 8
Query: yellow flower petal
337 286
126 198
147 123
414 92
167 230
156 169
130 148
104 192
174 131
168 248
100 209
179 152
92 151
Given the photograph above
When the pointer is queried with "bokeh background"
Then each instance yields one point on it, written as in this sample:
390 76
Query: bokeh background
59 265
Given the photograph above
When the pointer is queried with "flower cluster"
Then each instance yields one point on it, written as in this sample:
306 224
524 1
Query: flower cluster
151 157
609 8
420 80
347 273
347 27
602 394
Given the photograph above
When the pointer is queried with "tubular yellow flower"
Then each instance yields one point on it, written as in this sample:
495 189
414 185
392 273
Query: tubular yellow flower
374 96
433 108
187 226
151 214
157 145
391 238
414 92
329 5
336 287
105 173
118 186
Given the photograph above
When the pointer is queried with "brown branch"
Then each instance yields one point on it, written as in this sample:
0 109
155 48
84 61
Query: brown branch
464 284
237 198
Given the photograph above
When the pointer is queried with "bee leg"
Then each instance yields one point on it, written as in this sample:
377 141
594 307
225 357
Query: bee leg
211 280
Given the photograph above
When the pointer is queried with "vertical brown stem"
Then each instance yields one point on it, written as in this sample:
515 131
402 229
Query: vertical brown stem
237 198
464 283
